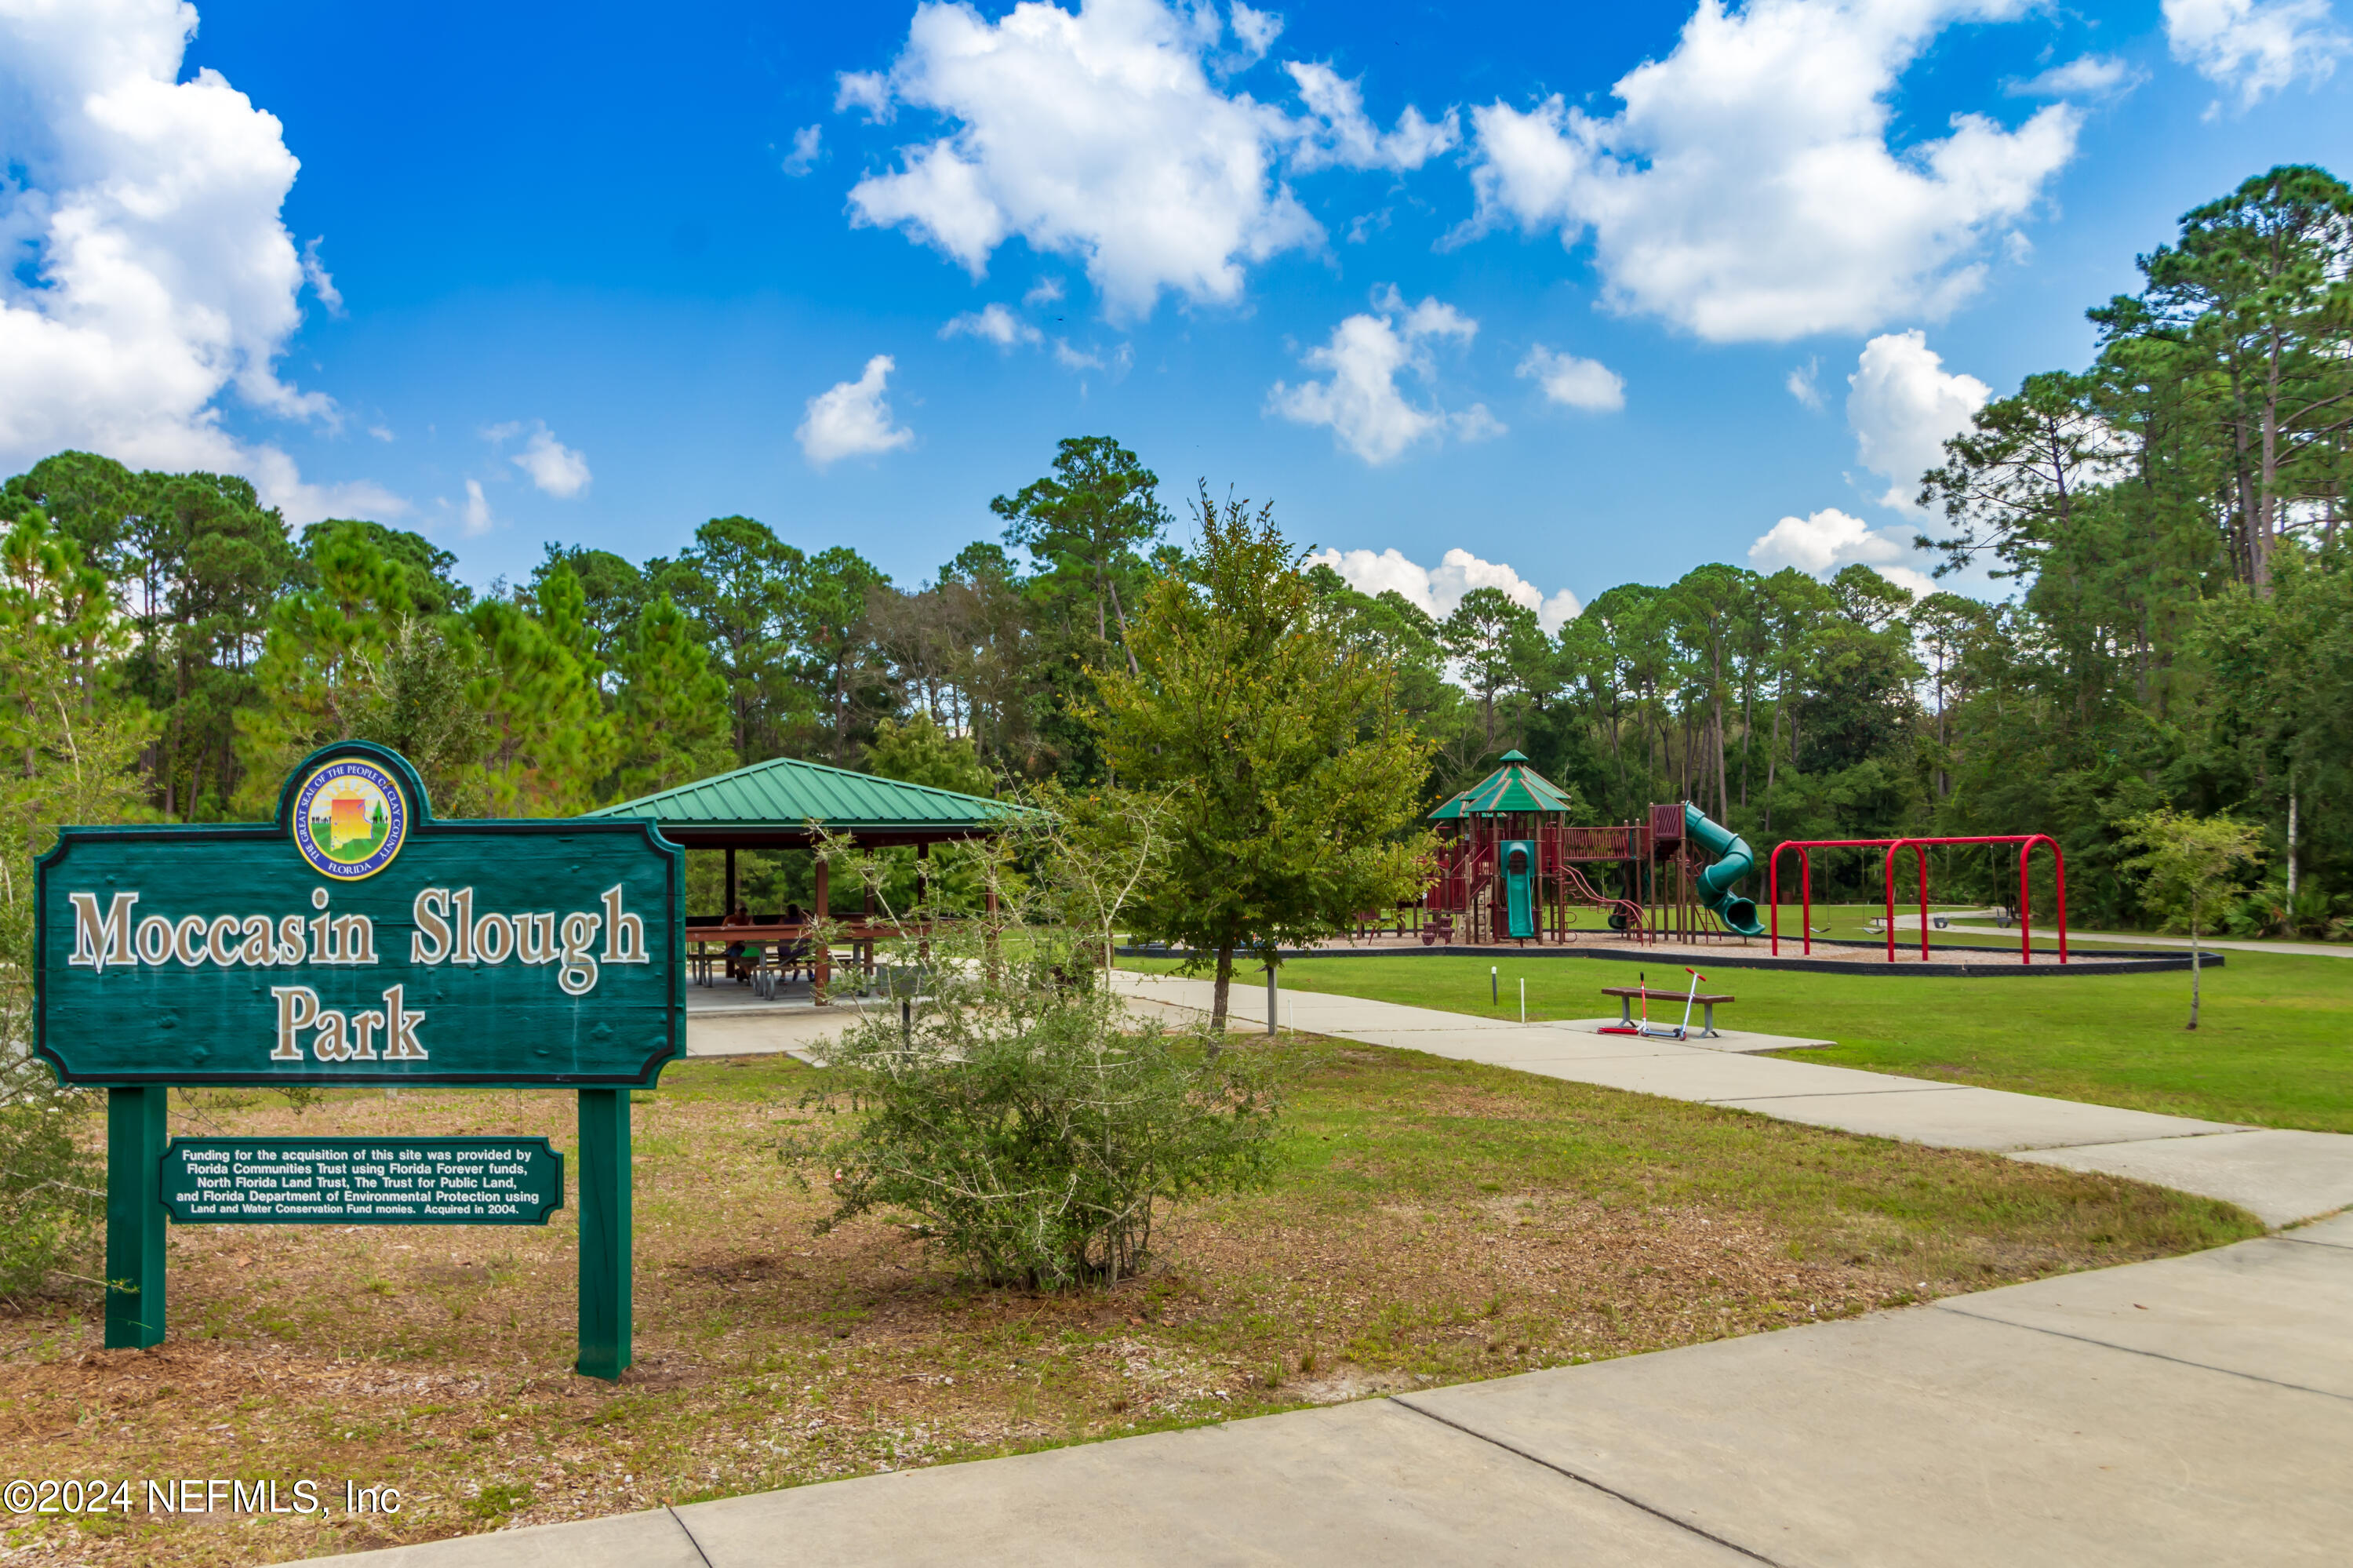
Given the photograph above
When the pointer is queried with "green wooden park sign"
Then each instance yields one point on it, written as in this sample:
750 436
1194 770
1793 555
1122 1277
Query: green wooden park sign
356 941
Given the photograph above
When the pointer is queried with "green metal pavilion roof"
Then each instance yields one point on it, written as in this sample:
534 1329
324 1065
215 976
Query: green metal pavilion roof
1513 786
772 804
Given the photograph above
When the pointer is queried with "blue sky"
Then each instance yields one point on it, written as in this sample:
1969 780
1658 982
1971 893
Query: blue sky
1586 294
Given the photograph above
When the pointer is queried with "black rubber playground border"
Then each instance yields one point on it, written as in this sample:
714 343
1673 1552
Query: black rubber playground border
2110 962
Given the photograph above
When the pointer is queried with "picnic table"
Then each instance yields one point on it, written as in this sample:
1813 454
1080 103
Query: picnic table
707 947
1628 994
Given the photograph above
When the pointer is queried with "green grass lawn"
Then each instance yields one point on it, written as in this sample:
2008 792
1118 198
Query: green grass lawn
2274 1044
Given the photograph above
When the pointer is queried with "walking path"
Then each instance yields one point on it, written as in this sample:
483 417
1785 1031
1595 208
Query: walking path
2186 1411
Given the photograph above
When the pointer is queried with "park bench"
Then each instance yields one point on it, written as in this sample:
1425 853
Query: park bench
1627 995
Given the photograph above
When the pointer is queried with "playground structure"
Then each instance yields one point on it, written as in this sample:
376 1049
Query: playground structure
1510 867
1919 848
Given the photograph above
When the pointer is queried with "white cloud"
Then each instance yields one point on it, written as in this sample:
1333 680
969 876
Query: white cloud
1256 32
992 323
554 467
1903 405
2254 47
1436 591
808 146
864 90
1802 385
478 509
1102 134
557 469
1070 358
281 484
151 273
321 281
995 323
1097 136
1361 403
1339 132
1746 189
1820 544
2085 76
1575 383
850 419
1044 292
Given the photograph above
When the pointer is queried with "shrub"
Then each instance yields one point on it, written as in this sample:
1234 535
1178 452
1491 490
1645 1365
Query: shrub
1016 1109
52 1177
52 1197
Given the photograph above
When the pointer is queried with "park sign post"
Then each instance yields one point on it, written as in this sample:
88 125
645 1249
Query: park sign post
356 941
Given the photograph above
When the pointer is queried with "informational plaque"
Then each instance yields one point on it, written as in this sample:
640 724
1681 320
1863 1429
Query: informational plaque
362 1180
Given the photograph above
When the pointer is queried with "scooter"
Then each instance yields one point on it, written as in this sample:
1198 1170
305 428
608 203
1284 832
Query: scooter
1680 1031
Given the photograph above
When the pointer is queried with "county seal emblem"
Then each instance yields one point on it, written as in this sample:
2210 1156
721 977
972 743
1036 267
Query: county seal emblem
350 819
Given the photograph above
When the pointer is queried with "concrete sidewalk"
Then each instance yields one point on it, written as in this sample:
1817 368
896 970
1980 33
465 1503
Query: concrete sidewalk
2279 1176
2191 1411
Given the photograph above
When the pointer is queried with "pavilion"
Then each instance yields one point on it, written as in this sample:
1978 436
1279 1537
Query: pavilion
786 803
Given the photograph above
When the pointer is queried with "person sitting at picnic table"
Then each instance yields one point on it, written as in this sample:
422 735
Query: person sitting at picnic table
737 951
798 954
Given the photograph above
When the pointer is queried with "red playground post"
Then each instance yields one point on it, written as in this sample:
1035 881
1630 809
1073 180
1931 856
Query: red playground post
1919 848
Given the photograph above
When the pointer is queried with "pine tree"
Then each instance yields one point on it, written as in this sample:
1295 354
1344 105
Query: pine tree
672 710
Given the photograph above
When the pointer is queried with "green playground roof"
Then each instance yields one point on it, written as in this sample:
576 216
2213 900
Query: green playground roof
1513 786
773 804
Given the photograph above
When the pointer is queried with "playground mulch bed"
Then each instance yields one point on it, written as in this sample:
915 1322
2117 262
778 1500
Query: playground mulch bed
1432 1222
1830 954
1825 950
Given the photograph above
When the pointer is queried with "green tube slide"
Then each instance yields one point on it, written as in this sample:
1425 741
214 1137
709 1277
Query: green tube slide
1735 861
1519 887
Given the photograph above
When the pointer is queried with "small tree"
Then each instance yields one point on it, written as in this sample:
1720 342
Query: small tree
1291 770
2185 864
1002 1093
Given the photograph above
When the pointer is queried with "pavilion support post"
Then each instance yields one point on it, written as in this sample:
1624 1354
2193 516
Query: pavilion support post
866 918
824 953
923 900
730 908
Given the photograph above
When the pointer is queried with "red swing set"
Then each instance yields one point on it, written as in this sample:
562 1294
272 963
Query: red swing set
1919 847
